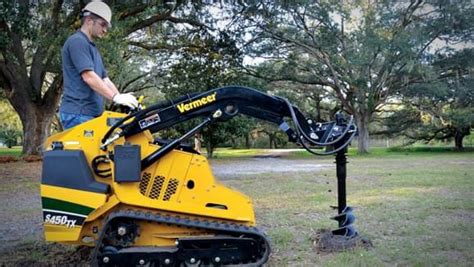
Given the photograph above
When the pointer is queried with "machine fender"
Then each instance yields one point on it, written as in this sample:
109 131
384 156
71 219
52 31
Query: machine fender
65 211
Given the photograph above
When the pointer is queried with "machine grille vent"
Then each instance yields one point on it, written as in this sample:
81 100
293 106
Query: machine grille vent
144 183
171 189
156 187
152 187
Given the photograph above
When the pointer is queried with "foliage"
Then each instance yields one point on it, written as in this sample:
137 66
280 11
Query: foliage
210 62
9 135
323 55
441 107
8 116
10 125
362 52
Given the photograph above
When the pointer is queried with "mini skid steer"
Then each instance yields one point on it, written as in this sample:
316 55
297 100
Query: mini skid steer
109 184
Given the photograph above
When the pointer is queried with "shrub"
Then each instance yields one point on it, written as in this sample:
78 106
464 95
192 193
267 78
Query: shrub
9 136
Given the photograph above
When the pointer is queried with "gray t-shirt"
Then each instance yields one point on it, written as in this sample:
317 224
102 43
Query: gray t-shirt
80 54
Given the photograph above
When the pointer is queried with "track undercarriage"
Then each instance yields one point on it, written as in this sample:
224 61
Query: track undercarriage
203 242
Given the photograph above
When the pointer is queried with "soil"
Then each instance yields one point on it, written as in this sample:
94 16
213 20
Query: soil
20 203
21 227
325 241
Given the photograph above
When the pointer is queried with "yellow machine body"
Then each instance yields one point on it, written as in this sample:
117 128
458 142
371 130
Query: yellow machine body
141 201
178 184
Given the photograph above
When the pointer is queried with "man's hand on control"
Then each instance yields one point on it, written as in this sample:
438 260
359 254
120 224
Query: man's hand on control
126 100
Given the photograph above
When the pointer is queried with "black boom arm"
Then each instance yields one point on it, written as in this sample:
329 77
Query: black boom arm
224 103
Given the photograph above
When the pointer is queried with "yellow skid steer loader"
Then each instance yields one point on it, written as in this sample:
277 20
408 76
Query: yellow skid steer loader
109 184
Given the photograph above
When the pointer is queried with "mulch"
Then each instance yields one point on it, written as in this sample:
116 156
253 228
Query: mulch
29 158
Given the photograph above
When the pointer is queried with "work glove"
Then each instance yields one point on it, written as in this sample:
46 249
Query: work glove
126 100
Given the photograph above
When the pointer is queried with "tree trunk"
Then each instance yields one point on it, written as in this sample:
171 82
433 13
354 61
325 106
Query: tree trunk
36 128
270 140
458 141
459 136
318 109
233 141
362 121
35 112
210 150
247 141
209 140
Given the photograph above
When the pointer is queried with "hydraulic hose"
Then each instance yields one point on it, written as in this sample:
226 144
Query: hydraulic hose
309 139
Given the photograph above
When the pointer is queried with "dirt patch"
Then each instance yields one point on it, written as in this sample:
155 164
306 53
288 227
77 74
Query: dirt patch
325 241
29 158
46 254
6 159
20 210
32 158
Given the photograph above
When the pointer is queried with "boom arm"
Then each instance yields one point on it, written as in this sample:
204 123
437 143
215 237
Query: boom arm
224 103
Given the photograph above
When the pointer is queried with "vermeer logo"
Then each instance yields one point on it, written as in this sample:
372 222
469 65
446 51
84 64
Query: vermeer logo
197 103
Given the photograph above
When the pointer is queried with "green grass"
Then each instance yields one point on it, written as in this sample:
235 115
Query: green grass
236 153
229 153
416 207
14 151
429 149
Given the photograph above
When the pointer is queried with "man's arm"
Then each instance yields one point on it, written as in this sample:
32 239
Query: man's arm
107 89
100 86
111 85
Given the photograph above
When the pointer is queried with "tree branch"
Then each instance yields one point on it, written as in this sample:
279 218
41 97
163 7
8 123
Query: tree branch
128 83
52 95
286 78
132 11
55 14
37 71
161 46
161 17
5 78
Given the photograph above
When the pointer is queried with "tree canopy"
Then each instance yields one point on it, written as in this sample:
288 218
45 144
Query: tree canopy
361 51
328 56
441 107
32 34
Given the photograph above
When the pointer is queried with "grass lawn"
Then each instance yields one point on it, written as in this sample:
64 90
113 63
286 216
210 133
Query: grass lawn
229 153
416 208
14 151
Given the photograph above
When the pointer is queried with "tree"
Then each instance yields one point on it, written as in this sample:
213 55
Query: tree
10 128
362 51
209 64
9 135
442 107
28 59
31 35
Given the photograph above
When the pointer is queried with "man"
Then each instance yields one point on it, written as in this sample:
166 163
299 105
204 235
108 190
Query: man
85 78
